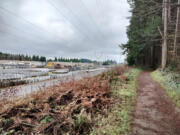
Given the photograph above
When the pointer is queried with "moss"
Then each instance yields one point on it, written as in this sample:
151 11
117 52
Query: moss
46 119
118 120
170 85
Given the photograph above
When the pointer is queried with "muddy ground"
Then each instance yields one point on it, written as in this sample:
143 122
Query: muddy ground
155 113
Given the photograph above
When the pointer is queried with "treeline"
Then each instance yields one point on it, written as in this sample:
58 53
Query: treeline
61 59
21 57
153 33
143 32
109 62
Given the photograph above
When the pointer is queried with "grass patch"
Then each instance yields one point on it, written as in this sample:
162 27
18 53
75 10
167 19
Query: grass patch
170 82
118 120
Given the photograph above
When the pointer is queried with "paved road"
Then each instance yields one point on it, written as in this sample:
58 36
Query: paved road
23 90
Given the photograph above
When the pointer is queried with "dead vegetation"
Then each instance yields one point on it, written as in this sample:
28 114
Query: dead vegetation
69 108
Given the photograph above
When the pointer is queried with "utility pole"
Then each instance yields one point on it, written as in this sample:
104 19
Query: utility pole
164 45
176 31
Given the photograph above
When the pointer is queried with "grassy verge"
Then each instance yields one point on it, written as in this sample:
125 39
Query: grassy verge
118 119
170 82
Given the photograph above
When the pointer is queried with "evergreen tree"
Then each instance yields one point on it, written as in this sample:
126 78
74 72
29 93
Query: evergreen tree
43 59
55 59
143 30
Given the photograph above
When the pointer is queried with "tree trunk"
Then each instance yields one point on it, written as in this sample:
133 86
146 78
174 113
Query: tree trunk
169 11
164 46
176 31
152 55
163 11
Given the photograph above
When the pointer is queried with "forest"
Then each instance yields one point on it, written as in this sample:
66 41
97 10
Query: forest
21 57
154 28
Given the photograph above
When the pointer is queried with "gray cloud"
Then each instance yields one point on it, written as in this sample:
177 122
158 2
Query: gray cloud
70 28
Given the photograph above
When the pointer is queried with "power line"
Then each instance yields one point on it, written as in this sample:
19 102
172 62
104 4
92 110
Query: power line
21 38
17 37
100 11
77 17
22 18
102 7
34 37
45 40
60 12
90 16
27 21
98 7
22 30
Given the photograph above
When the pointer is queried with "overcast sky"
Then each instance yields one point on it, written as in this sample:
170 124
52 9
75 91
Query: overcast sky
68 28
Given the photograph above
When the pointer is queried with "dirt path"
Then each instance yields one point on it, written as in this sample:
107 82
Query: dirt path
155 113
